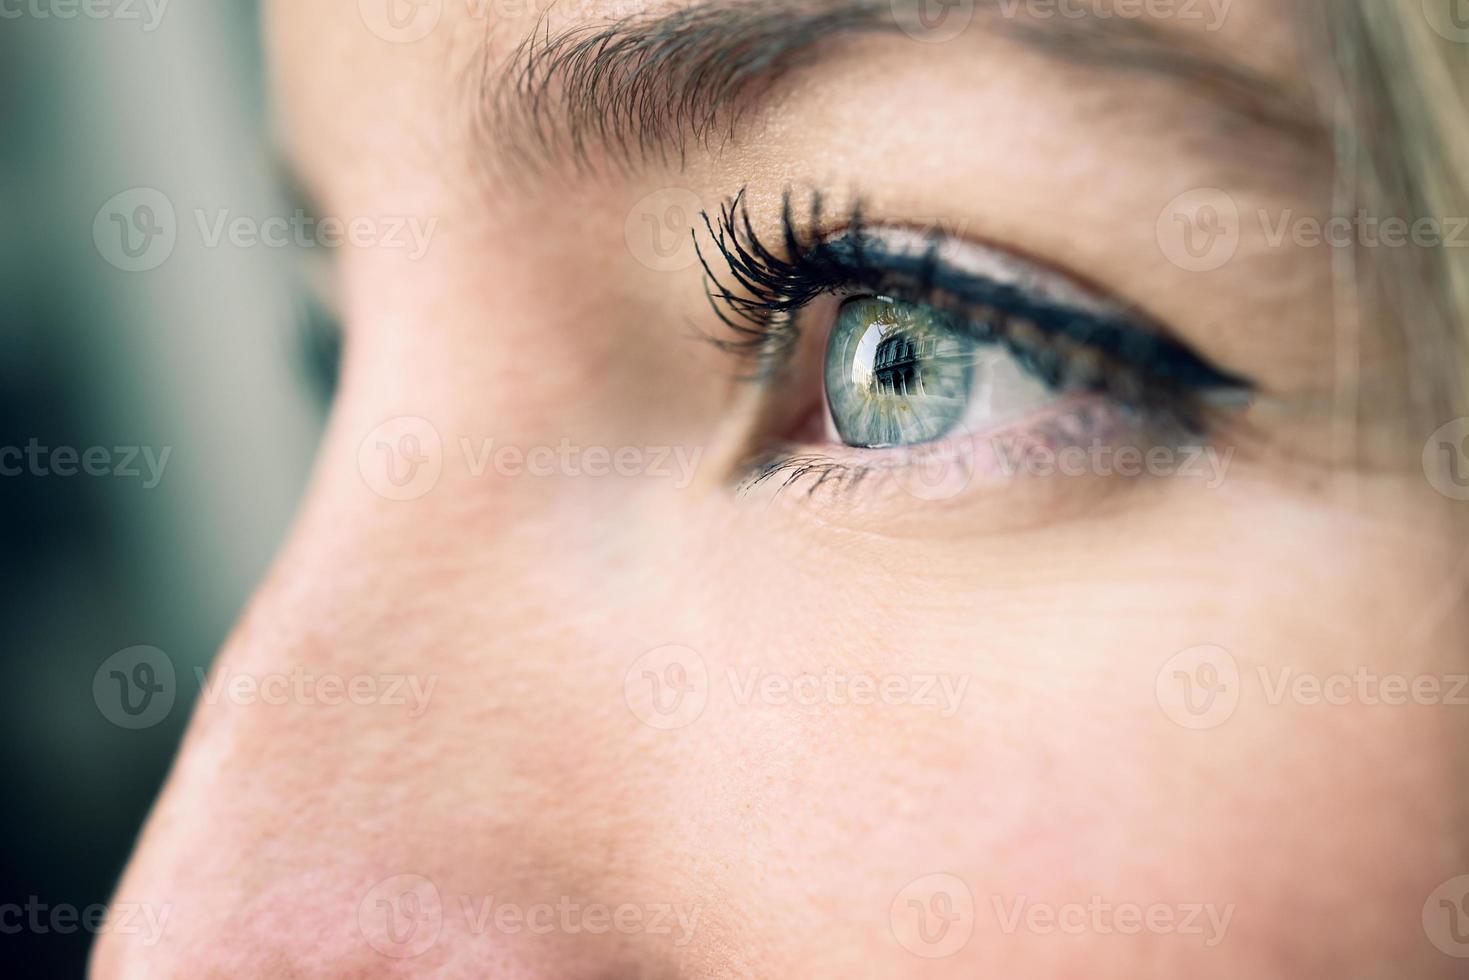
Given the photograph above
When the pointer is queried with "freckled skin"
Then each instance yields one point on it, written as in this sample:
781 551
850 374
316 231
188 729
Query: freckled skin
772 834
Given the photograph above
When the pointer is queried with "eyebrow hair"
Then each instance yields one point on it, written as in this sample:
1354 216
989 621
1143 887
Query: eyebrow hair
646 87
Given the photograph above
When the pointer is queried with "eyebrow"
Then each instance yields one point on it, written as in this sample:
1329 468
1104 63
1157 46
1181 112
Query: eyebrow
646 88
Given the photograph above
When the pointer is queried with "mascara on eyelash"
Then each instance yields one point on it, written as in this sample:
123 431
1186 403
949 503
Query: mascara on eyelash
1063 345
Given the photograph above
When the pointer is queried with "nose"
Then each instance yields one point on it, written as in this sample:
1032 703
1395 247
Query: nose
388 768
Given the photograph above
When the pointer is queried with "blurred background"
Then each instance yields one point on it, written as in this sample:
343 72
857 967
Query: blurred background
161 393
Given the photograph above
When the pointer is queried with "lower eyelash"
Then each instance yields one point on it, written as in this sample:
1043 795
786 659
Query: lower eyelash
1076 421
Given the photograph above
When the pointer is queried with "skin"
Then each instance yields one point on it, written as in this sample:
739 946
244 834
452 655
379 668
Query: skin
792 835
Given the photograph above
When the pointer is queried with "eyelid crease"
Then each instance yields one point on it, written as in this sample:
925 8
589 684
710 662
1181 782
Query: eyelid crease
988 262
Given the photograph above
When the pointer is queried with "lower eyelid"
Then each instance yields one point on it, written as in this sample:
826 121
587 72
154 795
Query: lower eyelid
993 456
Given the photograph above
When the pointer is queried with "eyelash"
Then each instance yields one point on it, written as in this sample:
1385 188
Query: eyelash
1120 356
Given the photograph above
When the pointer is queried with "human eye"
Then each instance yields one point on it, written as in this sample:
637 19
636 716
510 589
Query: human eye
912 344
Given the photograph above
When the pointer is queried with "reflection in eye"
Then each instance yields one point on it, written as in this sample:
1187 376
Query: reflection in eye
901 374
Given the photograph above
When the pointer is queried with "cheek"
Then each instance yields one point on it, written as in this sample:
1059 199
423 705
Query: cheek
831 757
1072 826
1084 771
1278 826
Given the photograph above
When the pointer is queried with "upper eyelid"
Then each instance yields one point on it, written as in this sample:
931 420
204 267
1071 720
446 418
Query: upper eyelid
992 263
1073 311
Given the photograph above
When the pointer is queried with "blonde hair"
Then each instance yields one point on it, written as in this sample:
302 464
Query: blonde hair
1403 150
